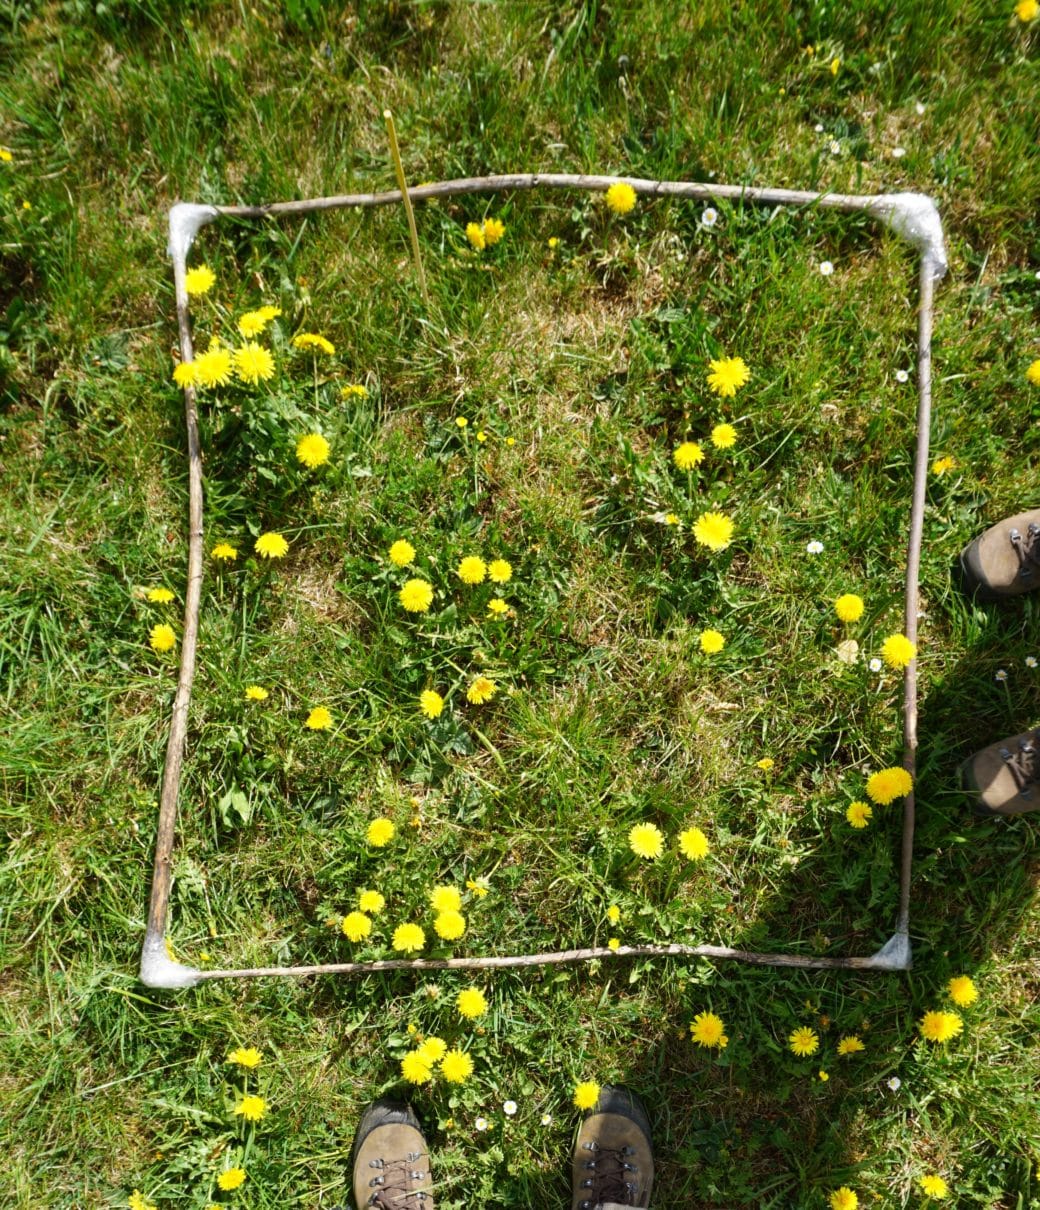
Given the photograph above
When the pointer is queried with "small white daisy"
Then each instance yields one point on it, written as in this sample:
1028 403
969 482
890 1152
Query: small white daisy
918 108
1030 661
1000 675
875 665
509 1109
826 268
902 376
709 216
898 153
481 1124
895 1083
814 547
546 1119
819 128
835 147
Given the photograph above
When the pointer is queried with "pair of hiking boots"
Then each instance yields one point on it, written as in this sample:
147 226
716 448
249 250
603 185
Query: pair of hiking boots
613 1165
1004 562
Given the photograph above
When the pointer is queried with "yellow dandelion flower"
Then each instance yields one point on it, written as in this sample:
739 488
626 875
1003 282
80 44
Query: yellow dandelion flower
162 637
887 785
137 1200
724 436
252 1108
445 899
586 1094
251 324
688 455
380 832
371 902
224 552
708 1030
614 943
475 235
614 914
401 553
1033 370
645 840
271 545
858 814
160 596
456 1066
940 1026
1028 10
472 570
804 1042
621 197
253 363
256 693
835 66
849 607
711 642
408 938
213 368
416 596
850 1045
477 887
268 312
415 1068
844 1199
765 764
311 340
231 1178
246 1056
500 571
942 466
471 1003
897 651
481 436
727 375
199 280
431 703
493 230
319 719
461 422
433 1050
353 390
356 926
481 690
5 155
554 242
932 1185
185 374
694 844
962 990
450 925
312 450
713 530
497 607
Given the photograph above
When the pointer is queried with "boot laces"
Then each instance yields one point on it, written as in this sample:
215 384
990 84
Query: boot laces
1027 549
1025 763
611 1176
392 1188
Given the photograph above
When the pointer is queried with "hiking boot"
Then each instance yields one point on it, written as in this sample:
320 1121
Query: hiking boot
391 1160
1004 779
613 1163
1005 560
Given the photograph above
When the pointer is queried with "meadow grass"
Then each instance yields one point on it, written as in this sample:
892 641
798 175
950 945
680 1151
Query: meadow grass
584 365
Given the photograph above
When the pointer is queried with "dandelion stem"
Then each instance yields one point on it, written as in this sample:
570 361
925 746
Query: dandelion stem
395 151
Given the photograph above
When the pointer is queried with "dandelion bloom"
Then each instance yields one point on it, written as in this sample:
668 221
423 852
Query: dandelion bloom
416 596
353 390
445 899
850 1045
312 450
621 197
380 832
200 280
456 1066
941 465
475 235
765 764
897 651
253 363
688 455
450 925
477 886
614 943
1029 10
319 719
251 1107
727 374
940 1026
694 844
161 637
246 1056
213 368
185 374
497 607
723 436
431 703
804 1041
268 312
712 642
707 1030
844 1199
887 785
224 552
433 1049
962 990
614 913
932 1185
160 596
472 570
356 926
231 1178
493 230
471 1003
401 553
481 690
461 422
311 340
823 1076
415 1068
256 693
251 324
500 571
849 607
271 545
137 1201
858 814
713 530
408 938
371 901
645 840
586 1094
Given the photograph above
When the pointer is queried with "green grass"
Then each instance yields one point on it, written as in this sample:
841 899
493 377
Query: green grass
592 359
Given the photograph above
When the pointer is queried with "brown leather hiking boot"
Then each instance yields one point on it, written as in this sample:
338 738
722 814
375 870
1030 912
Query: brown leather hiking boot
1005 560
1004 779
391 1161
613 1162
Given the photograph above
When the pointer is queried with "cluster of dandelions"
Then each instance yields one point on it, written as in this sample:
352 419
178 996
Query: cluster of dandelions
433 1057
485 234
883 788
445 902
646 840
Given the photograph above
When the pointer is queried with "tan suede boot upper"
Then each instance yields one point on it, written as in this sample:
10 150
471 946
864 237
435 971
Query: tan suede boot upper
1006 775
613 1164
392 1169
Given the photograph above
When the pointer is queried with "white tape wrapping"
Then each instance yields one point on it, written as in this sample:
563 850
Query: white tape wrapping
915 217
185 220
158 969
